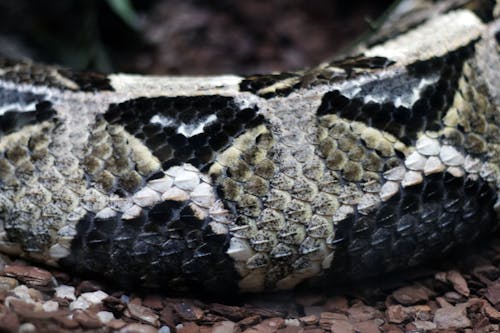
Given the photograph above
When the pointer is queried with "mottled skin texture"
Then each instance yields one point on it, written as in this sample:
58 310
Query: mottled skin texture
364 165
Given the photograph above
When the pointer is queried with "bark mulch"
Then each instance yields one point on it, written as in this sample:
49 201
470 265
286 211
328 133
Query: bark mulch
461 294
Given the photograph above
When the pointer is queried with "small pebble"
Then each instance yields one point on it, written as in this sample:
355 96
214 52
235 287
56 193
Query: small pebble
23 292
224 327
94 297
105 316
85 300
26 328
7 283
79 303
164 329
64 291
292 322
50 306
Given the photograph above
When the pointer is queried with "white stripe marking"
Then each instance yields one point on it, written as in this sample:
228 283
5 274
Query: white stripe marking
17 107
188 130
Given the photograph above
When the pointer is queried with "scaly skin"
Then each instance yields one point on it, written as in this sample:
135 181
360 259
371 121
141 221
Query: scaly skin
357 167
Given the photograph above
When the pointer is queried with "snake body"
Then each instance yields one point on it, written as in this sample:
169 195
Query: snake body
360 166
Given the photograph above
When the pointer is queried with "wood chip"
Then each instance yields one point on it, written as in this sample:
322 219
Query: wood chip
87 319
138 328
342 326
32 276
188 311
411 295
493 293
142 313
309 320
235 313
452 317
360 312
369 326
458 281
9 322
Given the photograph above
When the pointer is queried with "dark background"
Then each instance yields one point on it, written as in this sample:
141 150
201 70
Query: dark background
183 37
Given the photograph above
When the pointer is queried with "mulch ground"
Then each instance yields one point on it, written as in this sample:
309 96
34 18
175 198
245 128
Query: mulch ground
461 294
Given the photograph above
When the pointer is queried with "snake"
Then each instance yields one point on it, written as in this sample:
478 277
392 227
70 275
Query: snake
382 159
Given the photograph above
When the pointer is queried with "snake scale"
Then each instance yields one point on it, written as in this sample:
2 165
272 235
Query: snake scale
378 161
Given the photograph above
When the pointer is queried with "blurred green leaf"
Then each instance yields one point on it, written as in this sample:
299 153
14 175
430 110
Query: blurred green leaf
124 9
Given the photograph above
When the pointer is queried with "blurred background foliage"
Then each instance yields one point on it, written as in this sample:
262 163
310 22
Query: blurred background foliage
182 37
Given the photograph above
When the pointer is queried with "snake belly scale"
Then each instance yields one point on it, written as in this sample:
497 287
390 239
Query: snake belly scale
360 166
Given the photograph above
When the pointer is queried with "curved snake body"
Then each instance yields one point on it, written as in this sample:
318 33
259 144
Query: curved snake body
357 167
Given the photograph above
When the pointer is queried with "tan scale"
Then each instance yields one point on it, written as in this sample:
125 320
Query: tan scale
44 195
287 230
481 129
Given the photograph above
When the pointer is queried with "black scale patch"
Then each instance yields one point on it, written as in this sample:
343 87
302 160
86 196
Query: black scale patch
23 72
351 66
256 82
166 247
87 81
401 121
484 9
158 123
421 223
14 119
